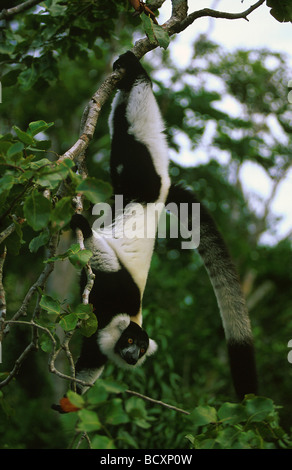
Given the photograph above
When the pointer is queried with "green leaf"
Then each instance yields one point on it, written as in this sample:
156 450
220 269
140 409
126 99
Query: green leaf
281 10
97 394
52 306
232 413
202 415
147 24
95 190
124 436
68 322
6 183
75 248
114 412
10 78
42 144
36 127
43 163
114 387
23 136
76 399
62 213
15 148
155 32
39 241
37 210
80 259
89 326
259 408
136 409
28 77
102 442
83 311
88 421
45 343
161 35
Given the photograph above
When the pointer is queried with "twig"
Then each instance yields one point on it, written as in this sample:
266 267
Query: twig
41 281
83 436
214 14
33 346
157 402
178 21
10 229
6 14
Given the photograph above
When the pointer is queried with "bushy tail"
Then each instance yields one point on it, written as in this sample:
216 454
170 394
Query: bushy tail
225 282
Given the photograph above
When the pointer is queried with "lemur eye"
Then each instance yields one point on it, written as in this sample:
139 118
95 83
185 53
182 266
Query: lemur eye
130 341
142 350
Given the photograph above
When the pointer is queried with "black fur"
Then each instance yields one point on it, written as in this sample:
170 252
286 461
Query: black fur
112 293
138 181
243 369
223 276
133 70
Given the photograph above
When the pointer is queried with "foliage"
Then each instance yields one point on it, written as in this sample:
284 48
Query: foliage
26 174
55 29
281 10
253 424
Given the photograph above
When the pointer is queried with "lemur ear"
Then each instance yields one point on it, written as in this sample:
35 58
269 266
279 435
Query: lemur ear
152 348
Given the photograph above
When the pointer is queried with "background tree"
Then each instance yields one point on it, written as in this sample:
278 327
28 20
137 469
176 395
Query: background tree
53 55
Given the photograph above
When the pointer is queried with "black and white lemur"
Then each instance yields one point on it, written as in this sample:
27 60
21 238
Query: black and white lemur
139 172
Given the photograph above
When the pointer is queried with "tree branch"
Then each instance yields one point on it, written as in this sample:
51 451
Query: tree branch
33 346
6 14
40 282
178 21
215 14
10 229
157 402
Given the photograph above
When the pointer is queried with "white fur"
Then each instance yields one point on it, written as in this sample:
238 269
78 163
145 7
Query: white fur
135 252
104 257
146 125
108 337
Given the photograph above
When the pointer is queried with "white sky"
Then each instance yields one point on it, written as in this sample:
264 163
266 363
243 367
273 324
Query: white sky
261 31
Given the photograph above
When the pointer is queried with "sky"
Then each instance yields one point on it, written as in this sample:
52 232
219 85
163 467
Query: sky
261 31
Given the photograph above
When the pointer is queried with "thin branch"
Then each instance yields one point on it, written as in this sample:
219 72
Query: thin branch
178 21
33 346
10 229
157 402
17 365
40 282
214 14
7 14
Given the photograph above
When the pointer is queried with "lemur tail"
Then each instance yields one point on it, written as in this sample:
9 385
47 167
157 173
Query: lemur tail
223 276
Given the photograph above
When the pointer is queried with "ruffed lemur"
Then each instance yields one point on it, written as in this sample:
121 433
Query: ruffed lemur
139 172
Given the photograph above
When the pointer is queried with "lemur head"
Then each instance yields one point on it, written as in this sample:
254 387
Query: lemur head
133 70
125 342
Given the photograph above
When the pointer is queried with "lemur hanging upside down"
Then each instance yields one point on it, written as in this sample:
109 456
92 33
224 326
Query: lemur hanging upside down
139 172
